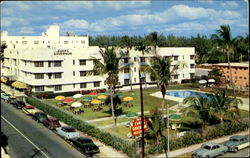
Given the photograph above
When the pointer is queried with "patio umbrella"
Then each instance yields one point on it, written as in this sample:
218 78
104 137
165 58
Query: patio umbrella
131 114
92 93
174 116
211 80
118 94
107 93
68 100
77 96
202 81
87 98
102 97
95 101
60 97
128 98
76 104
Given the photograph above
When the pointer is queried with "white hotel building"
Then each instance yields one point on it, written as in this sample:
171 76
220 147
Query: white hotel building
60 63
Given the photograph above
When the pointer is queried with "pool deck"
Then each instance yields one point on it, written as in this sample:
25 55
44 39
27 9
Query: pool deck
244 106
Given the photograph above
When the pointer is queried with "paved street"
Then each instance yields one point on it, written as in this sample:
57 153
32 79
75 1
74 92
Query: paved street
27 136
241 153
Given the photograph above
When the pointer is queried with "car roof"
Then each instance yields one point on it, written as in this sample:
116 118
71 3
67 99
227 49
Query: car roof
210 143
40 112
68 127
237 137
29 107
53 119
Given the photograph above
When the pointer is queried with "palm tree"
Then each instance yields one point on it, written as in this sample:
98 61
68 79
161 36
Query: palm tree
160 68
226 44
202 106
109 66
222 103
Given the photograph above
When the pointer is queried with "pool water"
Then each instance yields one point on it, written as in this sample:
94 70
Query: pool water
185 94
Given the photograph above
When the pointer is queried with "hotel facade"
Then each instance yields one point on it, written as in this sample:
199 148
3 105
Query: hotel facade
54 63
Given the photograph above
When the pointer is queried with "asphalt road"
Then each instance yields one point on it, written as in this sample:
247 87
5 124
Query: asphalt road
27 137
241 153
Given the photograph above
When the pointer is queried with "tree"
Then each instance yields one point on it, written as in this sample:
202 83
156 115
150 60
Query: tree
226 45
160 68
3 46
110 66
221 103
215 74
202 106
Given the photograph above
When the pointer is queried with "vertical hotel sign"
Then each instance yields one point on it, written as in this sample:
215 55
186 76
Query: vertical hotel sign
136 127
62 52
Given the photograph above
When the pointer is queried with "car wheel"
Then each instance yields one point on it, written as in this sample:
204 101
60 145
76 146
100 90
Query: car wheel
236 150
207 156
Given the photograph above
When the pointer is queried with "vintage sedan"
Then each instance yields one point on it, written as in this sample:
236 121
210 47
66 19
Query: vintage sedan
209 149
17 103
237 142
29 110
67 132
5 96
40 116
52 123
84 145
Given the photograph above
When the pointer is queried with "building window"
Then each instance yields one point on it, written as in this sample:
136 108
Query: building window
245 77
192 57
191 66
39 76
16 42
49 75
39 88
74 85
66 42
183 57
126 70
175 58
57 75
235 72
126 81
36 42
24 42
38 63
58 87
96 84
240 77
175 76
83 42
183 75
83 73
83 85
152 78
134 79
143 59
49 64
191 75
73 62
134 58
143 80
125 60
57 63
73 73
82 62
135 69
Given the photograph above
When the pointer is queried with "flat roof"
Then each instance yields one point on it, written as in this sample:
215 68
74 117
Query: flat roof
243 64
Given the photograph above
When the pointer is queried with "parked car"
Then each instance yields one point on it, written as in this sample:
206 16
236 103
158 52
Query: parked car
208 150
40 116
67 132
5 96
17 103
29 110
11 99
52 123
84 145
237 142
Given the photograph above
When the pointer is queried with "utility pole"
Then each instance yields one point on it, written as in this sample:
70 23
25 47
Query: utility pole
142 117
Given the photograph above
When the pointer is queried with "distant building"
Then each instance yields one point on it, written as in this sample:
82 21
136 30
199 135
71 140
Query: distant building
60 63
240 72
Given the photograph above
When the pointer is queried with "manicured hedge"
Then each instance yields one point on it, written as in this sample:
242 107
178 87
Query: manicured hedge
191 138
106 138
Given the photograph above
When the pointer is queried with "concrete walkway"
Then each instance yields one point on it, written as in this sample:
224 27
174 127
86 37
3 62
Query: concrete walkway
181 151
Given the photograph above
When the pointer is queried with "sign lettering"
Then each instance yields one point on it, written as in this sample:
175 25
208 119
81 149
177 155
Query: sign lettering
136 127
62 52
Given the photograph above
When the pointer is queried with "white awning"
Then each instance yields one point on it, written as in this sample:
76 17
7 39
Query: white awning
202 81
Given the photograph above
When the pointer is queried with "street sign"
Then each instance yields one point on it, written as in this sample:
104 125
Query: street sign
136 127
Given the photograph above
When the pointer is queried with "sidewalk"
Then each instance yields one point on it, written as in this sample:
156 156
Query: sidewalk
178 152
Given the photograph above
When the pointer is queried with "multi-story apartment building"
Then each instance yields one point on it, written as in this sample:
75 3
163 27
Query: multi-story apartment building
60 63
240 72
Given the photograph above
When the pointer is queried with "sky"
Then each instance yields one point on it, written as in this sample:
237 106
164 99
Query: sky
177 17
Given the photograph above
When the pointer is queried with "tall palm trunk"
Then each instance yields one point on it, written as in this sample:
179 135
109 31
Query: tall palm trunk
111 97
222 118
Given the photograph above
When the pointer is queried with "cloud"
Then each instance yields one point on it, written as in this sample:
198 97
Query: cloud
72 6
75 24
206 1
229 4
9 21
26 30
23 6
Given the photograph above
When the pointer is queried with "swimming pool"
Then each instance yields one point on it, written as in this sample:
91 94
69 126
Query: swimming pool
184 94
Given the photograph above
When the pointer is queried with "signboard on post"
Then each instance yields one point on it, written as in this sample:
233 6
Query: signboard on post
136 127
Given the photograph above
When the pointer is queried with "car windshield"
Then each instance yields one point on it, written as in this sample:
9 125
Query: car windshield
206 147
86 141
234 140
70 130
20 102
